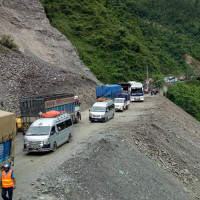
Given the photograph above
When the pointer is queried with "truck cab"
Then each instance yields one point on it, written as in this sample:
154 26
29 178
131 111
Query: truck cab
120 104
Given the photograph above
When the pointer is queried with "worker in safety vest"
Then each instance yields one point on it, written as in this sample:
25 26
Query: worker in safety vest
8 182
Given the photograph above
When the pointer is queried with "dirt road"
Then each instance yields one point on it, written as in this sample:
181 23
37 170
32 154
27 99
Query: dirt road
150 151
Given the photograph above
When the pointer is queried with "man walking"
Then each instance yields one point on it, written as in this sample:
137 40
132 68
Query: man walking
8 182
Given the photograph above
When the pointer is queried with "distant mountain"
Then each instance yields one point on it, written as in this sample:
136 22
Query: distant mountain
118 39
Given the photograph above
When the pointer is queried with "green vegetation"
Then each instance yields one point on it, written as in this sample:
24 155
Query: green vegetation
83 76
187 96
8 41
118 39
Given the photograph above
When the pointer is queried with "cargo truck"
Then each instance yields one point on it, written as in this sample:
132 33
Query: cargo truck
7 136
122 102
32 108
108 91
125 87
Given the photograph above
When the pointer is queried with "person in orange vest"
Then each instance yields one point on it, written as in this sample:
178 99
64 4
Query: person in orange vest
8 182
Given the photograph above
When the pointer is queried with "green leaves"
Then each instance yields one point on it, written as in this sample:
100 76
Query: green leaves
187 96
129 35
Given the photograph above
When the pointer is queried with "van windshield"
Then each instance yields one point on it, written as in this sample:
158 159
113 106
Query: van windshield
38 130
98 109
119 100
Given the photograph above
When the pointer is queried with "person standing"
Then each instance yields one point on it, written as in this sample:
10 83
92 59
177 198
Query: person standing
8 182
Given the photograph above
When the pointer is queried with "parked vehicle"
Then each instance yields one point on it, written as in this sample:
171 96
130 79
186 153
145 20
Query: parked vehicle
102 111
31 108
125 87
136 91
7 137
108 91
46 134
19 123
122 102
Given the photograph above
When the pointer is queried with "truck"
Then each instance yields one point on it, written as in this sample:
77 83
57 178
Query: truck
108 91
32 108
136 91
7 139
125 87
122 102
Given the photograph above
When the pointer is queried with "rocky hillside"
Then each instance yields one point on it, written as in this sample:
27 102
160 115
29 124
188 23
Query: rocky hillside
22 76
48 63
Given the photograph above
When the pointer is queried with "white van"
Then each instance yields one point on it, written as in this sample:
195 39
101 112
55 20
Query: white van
46 134
102 111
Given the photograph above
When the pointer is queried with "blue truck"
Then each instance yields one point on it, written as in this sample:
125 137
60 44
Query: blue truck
108 91
31 108
7 137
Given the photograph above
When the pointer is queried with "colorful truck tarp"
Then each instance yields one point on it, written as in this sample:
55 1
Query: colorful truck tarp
7 136
108 91
31 107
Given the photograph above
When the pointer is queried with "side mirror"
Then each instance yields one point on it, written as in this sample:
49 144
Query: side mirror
89 110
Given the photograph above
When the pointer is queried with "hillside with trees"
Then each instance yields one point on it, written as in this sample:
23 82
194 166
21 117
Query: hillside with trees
118 39
187 96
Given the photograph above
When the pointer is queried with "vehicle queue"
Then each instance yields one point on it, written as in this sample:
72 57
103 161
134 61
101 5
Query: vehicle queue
47 121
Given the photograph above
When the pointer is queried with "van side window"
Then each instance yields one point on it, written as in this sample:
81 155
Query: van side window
69 122
63 125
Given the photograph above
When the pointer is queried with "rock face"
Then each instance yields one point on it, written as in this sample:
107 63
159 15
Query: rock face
22 76
26 21
47 63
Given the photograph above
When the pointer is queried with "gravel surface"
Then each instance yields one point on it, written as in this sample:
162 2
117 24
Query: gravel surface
22 76
150 151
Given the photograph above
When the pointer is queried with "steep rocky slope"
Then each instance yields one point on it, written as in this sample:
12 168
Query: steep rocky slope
22 76
48 63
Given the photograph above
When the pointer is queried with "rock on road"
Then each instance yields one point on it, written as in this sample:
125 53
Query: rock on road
136 155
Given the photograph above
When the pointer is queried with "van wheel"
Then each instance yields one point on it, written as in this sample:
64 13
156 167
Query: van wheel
70 138
106 119
54 146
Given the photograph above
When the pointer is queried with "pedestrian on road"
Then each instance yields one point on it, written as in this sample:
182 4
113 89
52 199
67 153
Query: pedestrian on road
151 92
8 182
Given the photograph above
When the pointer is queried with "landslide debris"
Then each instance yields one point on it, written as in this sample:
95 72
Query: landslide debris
47 64
26 21
23 76
150 151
